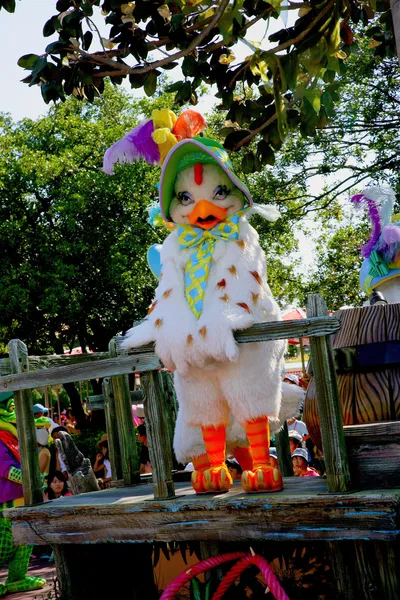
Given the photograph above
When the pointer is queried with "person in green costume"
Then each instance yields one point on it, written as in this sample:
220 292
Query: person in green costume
11 494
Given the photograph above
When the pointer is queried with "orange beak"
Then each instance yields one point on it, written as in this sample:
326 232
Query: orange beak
206 215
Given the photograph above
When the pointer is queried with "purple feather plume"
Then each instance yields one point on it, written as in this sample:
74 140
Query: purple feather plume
135 145
375 220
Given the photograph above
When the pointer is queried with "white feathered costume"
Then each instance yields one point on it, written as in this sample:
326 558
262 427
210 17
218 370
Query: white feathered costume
213 282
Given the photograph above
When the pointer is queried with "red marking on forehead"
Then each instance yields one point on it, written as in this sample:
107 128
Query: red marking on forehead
198 173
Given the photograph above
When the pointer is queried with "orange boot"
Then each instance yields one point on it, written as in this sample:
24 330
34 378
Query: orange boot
200 463
263 477
244 457
215 477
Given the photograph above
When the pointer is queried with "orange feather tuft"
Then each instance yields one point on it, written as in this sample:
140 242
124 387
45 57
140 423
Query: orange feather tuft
158 322
203 331
255 297
188 124
167 293
256 276
221 284
189 339
224 298
232 270
152 307
241 244
245 306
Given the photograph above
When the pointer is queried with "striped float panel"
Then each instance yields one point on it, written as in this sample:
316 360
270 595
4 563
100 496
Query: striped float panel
367 356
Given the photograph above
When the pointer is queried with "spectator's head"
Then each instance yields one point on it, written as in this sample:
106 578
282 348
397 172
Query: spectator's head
273 457
55 434
290 378
234 468
39 411
56 418
295 440
102 444
42 436
142 435
300 461
57 485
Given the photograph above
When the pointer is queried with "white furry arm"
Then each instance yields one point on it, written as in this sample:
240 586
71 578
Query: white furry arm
170 321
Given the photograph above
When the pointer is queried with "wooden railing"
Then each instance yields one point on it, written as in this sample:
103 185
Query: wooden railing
21 373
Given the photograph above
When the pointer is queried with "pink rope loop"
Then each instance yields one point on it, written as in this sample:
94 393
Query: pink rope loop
266 570
204 565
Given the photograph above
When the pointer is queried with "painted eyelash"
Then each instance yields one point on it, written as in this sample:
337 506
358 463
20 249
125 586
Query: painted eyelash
225 190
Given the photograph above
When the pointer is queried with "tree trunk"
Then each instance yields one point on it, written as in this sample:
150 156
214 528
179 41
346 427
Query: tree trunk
76 405
395 6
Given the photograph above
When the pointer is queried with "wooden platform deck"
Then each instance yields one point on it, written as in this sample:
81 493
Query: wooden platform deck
303 511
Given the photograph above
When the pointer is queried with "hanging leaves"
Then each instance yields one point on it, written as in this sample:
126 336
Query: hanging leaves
264 95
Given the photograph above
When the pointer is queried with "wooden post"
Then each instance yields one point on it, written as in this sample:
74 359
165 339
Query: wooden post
395 7
112 430
158 435
58 403
171 405
126 429
303 364
283 451
333 442
32 484
365 569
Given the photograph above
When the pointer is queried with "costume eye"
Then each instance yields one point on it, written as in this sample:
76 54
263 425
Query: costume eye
184 198
221 192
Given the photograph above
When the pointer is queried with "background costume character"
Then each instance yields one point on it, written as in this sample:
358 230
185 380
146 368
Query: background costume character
11 494
213 282
380 269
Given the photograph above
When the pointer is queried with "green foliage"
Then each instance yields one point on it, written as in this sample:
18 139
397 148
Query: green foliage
86 442
73 239
293 82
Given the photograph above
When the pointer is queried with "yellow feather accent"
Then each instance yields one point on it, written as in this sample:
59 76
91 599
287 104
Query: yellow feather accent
163 118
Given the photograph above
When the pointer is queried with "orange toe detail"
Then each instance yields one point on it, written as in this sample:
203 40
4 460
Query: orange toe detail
215 479
262 479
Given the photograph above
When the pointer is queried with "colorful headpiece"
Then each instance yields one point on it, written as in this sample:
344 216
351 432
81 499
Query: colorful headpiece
153 139
382 251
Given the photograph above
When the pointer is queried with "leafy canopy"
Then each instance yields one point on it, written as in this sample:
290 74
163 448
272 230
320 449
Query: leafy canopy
74 240
289 85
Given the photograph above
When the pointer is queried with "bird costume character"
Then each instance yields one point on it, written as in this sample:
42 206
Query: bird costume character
213 282
11 494
381 266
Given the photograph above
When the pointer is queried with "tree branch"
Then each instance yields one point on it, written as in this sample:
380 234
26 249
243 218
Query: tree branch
165 61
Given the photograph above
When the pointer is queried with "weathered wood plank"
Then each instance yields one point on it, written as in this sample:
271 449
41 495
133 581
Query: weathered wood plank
378 431
370 573
336 463
143 359
303 511
97 402
159 436
80 372
26 427
125 426
283 451
112 430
